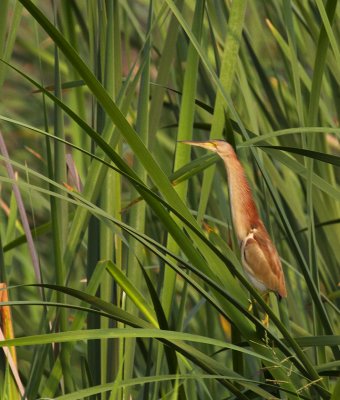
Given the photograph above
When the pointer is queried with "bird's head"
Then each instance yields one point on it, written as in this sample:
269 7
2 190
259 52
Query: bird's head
221 147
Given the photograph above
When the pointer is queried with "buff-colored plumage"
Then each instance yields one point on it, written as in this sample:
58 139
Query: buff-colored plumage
260 259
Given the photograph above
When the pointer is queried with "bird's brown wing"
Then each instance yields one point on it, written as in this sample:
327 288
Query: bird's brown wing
264 262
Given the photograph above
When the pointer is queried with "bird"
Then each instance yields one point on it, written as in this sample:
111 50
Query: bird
260 259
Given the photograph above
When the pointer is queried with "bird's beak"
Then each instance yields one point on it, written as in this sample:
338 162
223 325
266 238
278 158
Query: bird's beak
209 145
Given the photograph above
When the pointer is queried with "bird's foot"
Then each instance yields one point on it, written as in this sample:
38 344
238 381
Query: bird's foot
265 320
250 307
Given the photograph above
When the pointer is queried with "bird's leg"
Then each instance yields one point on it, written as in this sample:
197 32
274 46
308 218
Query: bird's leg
265 320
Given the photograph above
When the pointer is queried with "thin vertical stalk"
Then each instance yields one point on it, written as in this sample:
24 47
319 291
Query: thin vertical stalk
118 346
107 202
111 190
137 217
97 26
59 216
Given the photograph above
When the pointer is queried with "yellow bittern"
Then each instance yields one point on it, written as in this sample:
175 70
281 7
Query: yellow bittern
260 259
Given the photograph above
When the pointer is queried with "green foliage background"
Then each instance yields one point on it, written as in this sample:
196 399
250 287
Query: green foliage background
127 233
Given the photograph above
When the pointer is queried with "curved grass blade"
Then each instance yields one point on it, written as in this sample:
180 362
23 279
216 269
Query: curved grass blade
316 155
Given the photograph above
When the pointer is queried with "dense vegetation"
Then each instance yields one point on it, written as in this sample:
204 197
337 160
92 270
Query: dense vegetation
117 245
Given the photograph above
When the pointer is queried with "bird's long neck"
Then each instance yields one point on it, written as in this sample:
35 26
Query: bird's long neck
243 208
